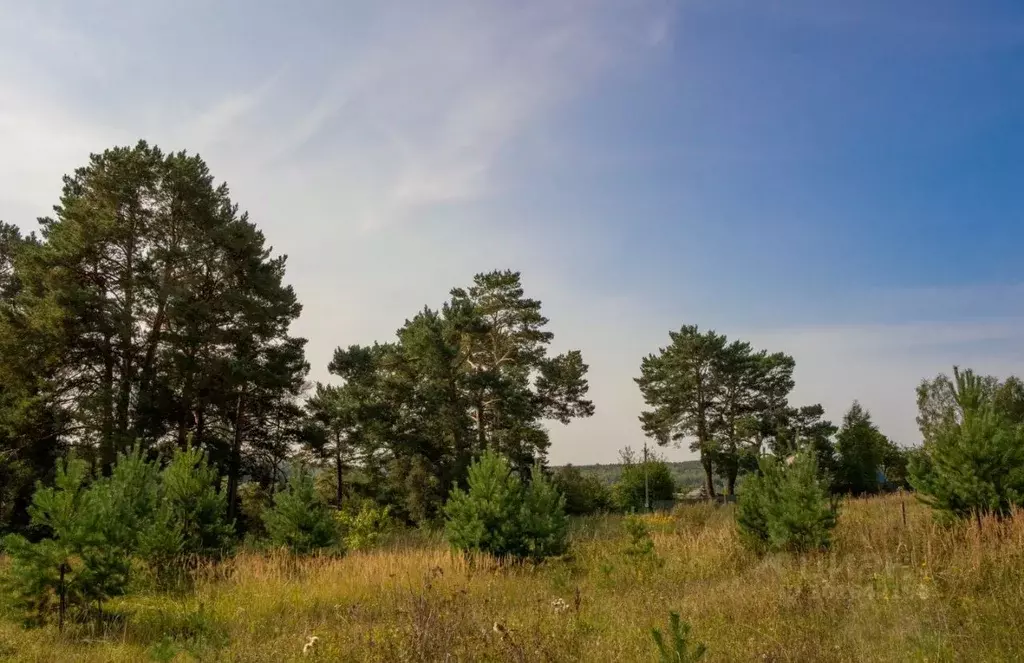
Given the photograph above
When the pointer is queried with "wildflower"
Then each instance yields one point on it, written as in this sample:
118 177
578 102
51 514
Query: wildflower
310 645
559 605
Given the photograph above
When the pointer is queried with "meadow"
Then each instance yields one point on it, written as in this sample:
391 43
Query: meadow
889 590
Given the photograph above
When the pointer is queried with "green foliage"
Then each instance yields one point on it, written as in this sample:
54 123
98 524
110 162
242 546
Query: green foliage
973 460
640 479
363 526
786 507
544 525
298 520
94 530
584 493
896 465
723 396
89 543
862 450
186 331
253 500
680 649
498 515
640 545
190 519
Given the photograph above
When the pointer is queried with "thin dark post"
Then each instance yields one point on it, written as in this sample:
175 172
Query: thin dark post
647 490
903 508
62 608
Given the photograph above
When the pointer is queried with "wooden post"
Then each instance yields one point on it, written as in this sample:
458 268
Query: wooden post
903 508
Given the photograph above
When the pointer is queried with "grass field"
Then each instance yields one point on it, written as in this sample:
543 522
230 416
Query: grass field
886 592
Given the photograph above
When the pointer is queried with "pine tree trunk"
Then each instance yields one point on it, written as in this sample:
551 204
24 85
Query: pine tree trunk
107 448
127 329
235 465
481 433
709 476
337 460
730 483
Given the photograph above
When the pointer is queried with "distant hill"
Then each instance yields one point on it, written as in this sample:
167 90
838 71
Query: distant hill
688 474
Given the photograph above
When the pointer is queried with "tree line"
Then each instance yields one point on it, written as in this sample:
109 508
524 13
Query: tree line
732 404
148 312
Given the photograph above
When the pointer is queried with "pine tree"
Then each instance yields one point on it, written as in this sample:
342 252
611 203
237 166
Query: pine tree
298 520
93 532
973 460
786 507
861 449
545 525
157 311
723 397
486 516
500 516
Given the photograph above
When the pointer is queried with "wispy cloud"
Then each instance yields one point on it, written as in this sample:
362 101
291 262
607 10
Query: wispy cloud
381 145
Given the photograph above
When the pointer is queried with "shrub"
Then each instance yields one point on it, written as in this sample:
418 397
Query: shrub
544 523
497 515
92 529
640 549
786 507
362 526
631 489
298 519
972 468
584 494
191 518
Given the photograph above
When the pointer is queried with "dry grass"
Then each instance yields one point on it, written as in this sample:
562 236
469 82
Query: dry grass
887 592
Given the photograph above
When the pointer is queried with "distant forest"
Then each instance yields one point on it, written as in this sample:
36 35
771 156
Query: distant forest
688 474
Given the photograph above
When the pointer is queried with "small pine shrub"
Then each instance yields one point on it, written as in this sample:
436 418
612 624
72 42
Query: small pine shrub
544 523
640 552
87 557
499 516
974 464
363 526
191 519
679 650
640 543
786 507
298 520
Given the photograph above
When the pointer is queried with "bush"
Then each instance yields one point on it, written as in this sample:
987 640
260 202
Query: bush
191 518
786 507
298 520
544 523
95 530
972 468
92 530
584 494
499 516
362 526
630 491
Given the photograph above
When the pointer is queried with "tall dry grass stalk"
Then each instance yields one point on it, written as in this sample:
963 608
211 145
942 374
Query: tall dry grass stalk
887 591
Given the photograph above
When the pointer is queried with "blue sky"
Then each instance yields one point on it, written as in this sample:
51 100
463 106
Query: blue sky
838 180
